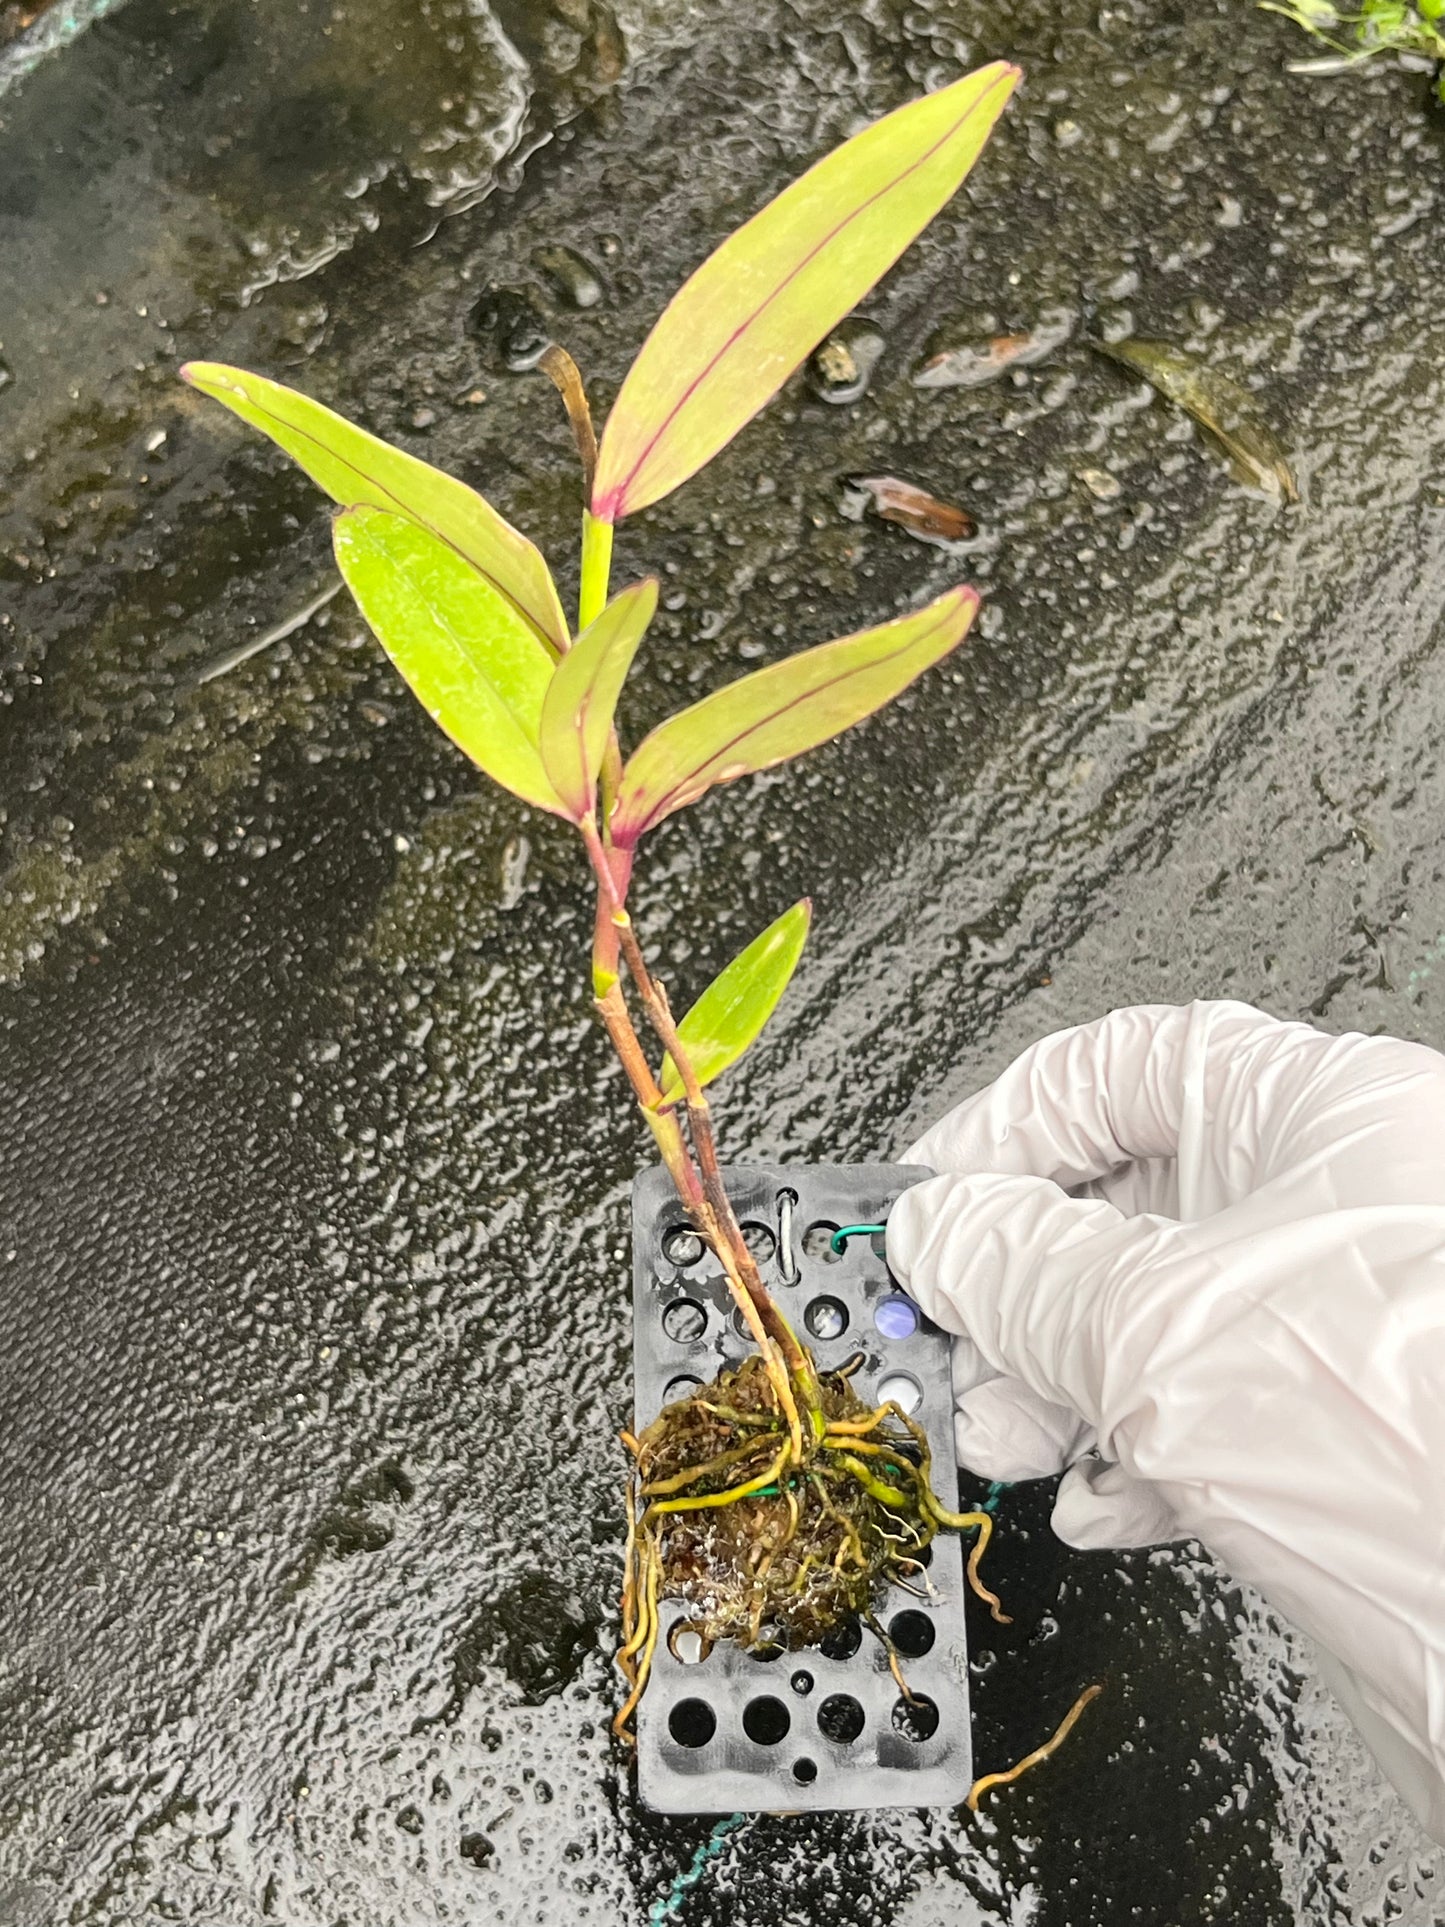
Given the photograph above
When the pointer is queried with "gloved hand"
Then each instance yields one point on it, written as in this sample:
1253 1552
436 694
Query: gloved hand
1198 1256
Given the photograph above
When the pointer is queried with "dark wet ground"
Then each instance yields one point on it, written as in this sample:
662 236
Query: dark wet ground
313 1240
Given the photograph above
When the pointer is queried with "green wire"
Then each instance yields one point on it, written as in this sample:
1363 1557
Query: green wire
846 1231
664 1909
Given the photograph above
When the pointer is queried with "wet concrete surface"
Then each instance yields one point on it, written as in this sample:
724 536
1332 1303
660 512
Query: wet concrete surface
312 1222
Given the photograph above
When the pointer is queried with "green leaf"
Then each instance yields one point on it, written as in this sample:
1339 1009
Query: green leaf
582 696
781 711
356 468
478 668
736 330
739 1001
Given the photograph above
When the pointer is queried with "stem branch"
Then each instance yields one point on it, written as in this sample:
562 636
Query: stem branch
733 1249
771 1332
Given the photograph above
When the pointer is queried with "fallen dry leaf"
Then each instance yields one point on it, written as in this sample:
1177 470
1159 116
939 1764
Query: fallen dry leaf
1228 414
972 365
911 507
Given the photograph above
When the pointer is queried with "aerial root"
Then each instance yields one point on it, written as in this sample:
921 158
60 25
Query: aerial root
980 1787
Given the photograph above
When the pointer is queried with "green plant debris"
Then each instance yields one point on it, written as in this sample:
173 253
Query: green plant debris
1228 414
1380 27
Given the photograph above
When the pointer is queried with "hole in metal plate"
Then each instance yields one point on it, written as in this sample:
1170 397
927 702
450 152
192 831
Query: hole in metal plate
912 1633
915 1719
766 1721
684 1319
843 1641
758 1239
826 1318
863 1753
818 1243
687 1645
902 1388
840 1719
896 1316
681 1245
692 1722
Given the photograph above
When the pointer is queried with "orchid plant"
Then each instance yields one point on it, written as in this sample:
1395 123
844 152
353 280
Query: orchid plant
467 610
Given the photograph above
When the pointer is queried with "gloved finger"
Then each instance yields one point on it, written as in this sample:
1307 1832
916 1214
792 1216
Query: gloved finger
1025 1271
970 1367
1004 1430
1146 1185
1100 1505
1239 1099
1075 1105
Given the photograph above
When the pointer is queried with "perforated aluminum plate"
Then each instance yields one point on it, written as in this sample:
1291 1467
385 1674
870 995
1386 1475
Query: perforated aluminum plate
696 1725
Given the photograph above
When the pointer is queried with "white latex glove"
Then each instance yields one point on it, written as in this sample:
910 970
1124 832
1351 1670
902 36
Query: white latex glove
1233 1330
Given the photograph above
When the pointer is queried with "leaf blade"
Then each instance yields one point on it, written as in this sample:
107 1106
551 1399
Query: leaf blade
480 671
356 468
740 325
781 711
730 1014
582 696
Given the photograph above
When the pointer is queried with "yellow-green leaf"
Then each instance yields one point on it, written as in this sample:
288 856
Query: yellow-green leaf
779 712
736 330
582 696
477 667
354 467
739 1001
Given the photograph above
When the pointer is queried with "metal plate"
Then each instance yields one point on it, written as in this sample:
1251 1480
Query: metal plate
789 1213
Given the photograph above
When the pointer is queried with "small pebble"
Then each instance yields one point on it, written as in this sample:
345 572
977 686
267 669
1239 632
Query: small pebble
840 368
423 417
155 440
573 277
1067 133
1098 481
